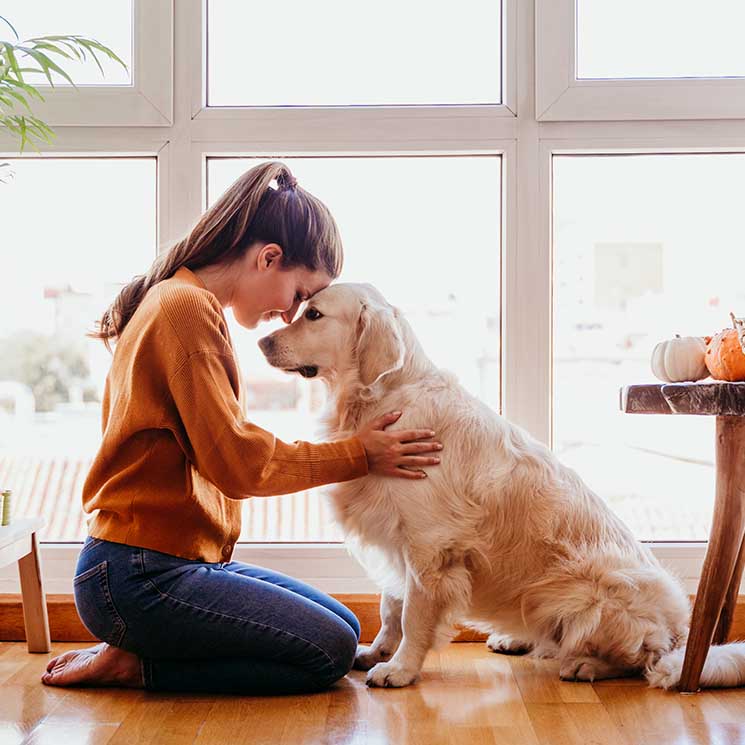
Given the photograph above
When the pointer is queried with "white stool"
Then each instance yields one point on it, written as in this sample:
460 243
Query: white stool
18 542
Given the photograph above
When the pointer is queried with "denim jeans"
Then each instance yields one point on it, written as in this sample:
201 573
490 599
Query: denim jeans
225 627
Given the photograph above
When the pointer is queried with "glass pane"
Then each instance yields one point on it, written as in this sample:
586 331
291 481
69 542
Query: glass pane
646 247
109 23
337 53
407 224
660 39
73 232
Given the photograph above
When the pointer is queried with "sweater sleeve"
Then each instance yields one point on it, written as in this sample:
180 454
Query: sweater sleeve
238 457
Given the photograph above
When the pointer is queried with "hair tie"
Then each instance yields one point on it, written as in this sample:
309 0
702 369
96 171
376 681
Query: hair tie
287 181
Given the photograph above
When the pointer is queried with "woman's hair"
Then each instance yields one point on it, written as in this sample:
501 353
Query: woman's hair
250 211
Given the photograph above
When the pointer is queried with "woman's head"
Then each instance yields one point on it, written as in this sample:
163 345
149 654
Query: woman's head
284 234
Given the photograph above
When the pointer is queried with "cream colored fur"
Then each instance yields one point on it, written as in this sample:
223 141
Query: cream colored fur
501 536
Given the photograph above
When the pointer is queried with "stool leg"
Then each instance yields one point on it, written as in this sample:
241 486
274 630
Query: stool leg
727 528
730 602
34 600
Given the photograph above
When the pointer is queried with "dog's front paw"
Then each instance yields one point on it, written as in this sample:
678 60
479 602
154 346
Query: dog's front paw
390 675
367 657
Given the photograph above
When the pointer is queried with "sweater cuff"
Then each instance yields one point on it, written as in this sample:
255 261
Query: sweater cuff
345 460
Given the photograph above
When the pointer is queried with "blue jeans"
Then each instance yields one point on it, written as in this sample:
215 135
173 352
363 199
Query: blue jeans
225 627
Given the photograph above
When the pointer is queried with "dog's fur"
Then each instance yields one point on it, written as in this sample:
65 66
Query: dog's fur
501 536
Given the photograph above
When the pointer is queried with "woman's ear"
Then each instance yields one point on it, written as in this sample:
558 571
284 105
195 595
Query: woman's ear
269 256
380 345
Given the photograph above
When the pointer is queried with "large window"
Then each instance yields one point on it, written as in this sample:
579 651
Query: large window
603 60
465 150
422 221
69 258
645 247
388 52
138 31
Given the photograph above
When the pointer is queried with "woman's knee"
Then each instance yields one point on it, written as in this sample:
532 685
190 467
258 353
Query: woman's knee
340 656
351 619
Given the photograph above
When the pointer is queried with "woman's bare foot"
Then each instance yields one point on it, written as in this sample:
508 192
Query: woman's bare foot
102 665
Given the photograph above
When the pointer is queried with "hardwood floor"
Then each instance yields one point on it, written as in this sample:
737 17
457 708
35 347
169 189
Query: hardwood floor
466 695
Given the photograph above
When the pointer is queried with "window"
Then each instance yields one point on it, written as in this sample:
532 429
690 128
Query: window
469 162
603 60
670 39
110 23
67 268
424 221
630 232
138 31
416 52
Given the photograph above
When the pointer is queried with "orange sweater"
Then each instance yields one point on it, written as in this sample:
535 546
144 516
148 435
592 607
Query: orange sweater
177 454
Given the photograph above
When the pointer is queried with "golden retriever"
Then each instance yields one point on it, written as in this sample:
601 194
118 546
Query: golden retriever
501 537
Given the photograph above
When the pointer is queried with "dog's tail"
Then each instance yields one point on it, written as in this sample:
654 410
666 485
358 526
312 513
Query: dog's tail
724 668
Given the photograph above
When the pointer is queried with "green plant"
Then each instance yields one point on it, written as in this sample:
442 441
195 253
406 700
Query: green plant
32 56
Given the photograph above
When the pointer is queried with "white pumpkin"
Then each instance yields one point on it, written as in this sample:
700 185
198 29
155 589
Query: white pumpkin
680 359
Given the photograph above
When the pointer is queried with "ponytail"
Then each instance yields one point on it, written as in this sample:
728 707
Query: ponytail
248 211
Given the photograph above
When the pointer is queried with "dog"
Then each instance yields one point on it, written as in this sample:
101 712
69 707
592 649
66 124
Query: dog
500 537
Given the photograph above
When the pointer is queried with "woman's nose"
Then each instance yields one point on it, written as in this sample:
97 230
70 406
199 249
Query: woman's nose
289 314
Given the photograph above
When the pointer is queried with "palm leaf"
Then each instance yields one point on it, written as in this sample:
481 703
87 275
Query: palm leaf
12 27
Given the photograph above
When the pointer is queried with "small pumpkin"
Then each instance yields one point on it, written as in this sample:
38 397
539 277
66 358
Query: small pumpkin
725 357
679 359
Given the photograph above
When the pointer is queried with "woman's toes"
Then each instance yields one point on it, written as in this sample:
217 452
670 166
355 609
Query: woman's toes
97 666
72 668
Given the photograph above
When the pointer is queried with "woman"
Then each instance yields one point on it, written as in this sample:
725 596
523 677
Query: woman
155 580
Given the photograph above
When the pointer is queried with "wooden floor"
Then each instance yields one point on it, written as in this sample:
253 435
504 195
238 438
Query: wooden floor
466 695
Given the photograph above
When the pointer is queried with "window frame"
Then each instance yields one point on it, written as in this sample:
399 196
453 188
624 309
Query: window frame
526 144
196 15
147 102
560 96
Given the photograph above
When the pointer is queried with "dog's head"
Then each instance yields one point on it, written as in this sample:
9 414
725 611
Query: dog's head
343 329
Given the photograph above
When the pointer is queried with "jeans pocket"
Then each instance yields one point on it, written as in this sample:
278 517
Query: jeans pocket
95 605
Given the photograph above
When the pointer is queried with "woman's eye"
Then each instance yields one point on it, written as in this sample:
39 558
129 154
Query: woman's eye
312 314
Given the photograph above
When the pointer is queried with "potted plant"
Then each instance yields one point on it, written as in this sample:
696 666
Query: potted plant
19 58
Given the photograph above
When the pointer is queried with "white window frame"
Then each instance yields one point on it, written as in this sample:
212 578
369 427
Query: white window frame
196 22
146 102
526 145
560 96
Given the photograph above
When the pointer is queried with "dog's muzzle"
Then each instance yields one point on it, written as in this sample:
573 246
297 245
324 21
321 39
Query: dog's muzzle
268 346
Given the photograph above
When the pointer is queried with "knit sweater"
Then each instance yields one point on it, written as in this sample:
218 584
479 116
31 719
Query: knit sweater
177 454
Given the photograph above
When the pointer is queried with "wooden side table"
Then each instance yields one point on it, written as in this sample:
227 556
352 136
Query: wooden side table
18 542
725 555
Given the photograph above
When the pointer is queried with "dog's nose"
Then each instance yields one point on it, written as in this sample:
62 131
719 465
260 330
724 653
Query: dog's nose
266 344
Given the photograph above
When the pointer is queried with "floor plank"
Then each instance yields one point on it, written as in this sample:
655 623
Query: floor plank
466 695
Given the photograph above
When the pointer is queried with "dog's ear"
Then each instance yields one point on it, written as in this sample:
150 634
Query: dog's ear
380 345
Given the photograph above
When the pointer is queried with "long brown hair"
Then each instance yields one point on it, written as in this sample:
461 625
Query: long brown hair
250 210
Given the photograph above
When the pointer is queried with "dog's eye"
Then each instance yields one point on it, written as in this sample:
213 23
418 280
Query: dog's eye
312 314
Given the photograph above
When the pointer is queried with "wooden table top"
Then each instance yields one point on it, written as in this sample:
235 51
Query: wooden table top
706 398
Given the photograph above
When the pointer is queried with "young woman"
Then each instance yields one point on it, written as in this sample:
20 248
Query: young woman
155 580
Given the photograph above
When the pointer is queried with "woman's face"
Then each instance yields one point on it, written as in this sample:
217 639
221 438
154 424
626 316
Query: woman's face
265 291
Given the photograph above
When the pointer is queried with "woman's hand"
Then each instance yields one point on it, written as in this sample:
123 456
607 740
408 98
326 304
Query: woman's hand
397 453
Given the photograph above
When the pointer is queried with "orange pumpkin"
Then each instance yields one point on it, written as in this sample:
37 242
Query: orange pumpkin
724 357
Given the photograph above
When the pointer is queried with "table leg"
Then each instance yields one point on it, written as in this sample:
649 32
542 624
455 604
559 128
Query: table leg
34 600
725 540
730 602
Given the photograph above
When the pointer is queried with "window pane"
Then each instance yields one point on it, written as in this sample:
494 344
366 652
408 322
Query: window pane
660 39
73 232
334 52
109 23
645 247
426 232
